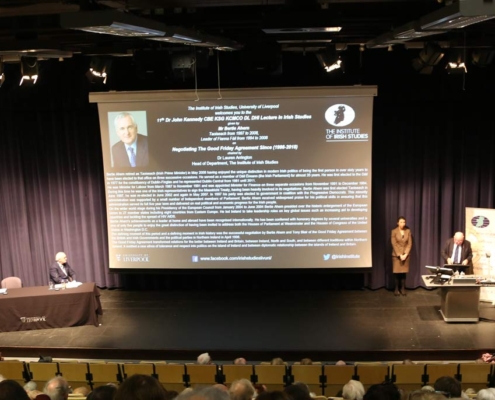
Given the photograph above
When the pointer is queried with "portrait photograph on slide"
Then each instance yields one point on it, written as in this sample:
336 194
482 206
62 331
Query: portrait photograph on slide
128 139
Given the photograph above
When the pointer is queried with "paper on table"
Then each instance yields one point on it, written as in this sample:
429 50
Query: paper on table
73 284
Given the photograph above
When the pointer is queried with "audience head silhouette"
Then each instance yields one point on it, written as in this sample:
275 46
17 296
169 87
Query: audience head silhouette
353 390
57 388
448 385
140 387
204 358
11 390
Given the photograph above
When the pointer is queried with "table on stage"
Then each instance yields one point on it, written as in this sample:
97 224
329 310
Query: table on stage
39 308
460 302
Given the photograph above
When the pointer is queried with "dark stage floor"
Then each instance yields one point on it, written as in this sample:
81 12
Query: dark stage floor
324 325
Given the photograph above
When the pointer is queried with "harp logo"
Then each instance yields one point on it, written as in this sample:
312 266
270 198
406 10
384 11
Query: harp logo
340 115
480 222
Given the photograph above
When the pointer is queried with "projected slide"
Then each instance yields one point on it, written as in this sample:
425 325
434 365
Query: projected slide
281 181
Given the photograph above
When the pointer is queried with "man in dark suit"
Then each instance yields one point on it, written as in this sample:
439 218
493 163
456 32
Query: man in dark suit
60 271
132 150
458 251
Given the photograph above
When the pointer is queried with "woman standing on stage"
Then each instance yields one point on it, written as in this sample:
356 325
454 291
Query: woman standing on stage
401 249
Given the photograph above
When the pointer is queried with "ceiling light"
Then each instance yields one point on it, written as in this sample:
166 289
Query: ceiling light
2 74
458 15
456 67
329 60
112 22
99 69
456 63
29 70
334 66
482 57
179 35
322 29
428 58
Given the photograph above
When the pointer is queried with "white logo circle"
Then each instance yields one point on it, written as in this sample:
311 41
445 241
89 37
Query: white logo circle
340 115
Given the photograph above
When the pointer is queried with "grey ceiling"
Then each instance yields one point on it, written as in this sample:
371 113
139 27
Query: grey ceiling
31 24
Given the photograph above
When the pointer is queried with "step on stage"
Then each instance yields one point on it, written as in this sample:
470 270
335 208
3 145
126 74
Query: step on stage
353 325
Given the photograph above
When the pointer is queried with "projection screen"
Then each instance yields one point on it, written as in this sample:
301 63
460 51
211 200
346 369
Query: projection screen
251 179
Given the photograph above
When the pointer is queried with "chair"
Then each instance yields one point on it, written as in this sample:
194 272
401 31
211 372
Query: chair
197 374
312 375
408 377
372 374
102 373
76 373
476 376
336 377
42 372
171 376
435 371
11 282
234 372
15 370
273 376
129 369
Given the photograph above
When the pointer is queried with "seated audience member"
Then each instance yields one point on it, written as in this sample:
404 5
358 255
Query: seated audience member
106 392
297 392
34 393
303 386
425 395
11 390
353 390
31 385
42 396
140 387
486 394
277 361
273 395
207 393
170 395
2 378
204 359
240 361
81 391
241 389
186 392
448 385
340 362
382 391
407 361
57 388
306 361
259 388
221 386
428 388
60 271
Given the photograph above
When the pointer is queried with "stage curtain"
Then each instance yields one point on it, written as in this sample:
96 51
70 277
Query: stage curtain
433 155
51 182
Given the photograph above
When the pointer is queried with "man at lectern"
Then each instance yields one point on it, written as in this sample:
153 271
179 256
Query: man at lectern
457 251
60 271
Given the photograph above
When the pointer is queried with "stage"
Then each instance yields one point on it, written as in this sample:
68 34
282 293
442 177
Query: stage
353 325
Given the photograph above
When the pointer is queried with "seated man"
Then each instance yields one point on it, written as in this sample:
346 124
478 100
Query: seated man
60 271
